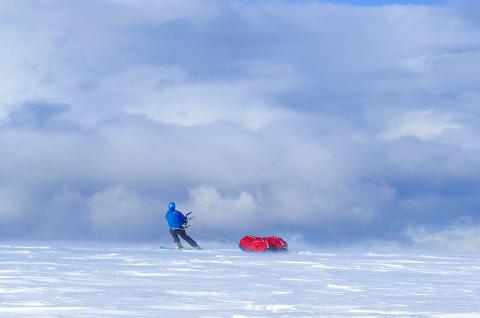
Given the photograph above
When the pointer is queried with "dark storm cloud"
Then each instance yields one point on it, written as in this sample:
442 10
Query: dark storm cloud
35 114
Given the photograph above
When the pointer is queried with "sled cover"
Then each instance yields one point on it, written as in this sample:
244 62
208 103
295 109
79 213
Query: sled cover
254 244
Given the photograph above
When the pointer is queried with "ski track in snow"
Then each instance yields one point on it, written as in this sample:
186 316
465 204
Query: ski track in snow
103 281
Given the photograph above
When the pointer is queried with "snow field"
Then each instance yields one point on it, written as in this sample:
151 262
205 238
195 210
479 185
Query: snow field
95 280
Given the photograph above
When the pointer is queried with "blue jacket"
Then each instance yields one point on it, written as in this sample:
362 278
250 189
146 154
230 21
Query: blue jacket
175 219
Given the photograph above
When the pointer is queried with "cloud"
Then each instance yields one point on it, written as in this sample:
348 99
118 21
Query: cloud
421 124
223 212
191 104
121 213
35 114
460 239
10 203
337 123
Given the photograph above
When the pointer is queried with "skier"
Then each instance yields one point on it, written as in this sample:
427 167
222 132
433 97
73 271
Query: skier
177 223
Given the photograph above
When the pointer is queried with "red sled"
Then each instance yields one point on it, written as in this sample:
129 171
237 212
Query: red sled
256 244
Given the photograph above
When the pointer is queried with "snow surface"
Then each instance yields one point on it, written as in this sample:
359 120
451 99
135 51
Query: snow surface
98 280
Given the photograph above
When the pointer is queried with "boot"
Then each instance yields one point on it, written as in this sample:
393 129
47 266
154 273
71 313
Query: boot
178 246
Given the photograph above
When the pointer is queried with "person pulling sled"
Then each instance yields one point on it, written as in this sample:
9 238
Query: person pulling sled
178 223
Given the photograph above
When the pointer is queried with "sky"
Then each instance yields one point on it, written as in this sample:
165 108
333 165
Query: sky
381 2
328 122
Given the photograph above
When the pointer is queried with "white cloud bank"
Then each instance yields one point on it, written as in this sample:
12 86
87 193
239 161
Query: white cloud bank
460 239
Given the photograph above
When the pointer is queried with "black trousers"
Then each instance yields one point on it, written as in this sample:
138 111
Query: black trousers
181 232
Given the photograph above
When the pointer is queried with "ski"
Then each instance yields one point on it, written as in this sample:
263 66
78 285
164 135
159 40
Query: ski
179 249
